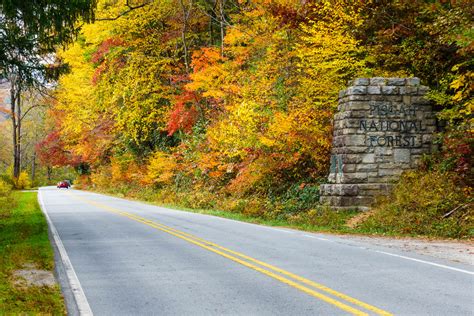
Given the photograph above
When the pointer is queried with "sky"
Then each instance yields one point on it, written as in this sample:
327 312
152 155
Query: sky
4 99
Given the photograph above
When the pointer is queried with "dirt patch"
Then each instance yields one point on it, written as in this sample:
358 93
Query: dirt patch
359 218
30 276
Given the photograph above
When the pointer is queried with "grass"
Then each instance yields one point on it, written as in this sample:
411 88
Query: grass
336 223
322 220
24 242
397 216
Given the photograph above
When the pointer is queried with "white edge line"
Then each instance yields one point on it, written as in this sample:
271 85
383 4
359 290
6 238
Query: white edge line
319 238
76 288
427 262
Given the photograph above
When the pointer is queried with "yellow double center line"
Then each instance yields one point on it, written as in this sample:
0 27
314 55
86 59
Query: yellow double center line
252 263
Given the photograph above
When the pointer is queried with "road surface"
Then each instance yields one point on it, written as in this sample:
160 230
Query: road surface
120 257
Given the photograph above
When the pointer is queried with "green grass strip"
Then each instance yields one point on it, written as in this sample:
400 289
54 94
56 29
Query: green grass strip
24 243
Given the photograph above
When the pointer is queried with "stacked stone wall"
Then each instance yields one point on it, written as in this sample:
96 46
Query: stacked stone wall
382 128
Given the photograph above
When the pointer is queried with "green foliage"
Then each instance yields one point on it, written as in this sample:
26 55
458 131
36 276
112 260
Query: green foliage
24 241
5 188
5 193
323 218
419 205
428 39
298 198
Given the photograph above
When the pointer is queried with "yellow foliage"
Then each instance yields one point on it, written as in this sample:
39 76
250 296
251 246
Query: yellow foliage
161 169
5 188
101 177
23 181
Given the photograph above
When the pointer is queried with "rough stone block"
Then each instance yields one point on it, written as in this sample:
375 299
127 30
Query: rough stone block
390 165
396 81
374 90
420 115
342 94
357 90
352 131
389 90
358 177
371 175
349 168
383 179
386 98
407 99
401 155
341 190
340 116
359 97
354 140
353 150
429 121
378 81
363 200
409 90
358 105
351 158
375 187
361 82
366 167
430 129
413 81
427 139
368 158
383 151
351 123
338 141
390 172
357 113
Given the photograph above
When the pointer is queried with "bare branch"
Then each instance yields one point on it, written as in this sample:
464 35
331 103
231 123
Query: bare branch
31 108
130 9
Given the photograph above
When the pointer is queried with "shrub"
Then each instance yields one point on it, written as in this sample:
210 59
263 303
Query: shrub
5 197
23 181
82 182
323 217
5 188
101 178
299 198
420 204
161 169
255 208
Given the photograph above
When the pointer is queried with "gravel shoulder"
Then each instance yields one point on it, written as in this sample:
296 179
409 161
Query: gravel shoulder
453 250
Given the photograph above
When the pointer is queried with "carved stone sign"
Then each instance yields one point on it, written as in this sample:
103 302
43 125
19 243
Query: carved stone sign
382 128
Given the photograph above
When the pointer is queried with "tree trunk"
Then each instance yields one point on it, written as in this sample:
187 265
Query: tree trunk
186 13
15 92
18 131
221 13
49 171
33 167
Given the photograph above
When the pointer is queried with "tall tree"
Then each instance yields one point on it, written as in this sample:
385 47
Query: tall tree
29 33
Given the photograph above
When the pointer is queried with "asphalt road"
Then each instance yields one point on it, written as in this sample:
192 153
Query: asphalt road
128 258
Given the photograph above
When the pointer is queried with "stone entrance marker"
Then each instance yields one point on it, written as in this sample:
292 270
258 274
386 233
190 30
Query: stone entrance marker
382 128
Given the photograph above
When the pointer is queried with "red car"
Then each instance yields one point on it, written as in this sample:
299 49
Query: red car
63 184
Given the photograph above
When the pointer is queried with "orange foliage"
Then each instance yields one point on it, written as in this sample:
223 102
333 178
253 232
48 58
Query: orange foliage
184 114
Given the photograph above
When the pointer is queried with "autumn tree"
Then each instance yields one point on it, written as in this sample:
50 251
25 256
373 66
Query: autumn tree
30 32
